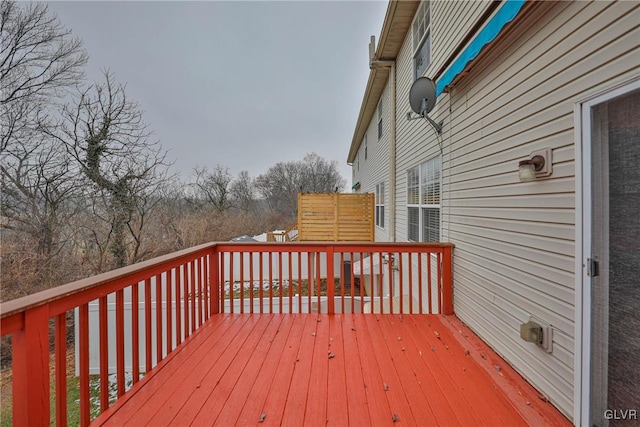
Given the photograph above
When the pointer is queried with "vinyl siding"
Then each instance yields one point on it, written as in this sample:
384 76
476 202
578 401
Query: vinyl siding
515 242
447 34
376 168
416 141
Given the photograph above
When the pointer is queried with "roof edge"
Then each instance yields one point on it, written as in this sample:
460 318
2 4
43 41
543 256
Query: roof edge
375 76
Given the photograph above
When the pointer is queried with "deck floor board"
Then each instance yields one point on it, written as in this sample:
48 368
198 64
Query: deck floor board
338 399
357 404
212 393
152 399
288 336
407 373
351 369
399 406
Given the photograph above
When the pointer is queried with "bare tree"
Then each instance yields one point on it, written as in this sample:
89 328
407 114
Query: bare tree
213 188
38 190
279 187
39 60
282 182
243 192
105 135
37 187
320 175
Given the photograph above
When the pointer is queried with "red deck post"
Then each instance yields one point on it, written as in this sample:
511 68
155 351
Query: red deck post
331 285
446 301
214 282
31 369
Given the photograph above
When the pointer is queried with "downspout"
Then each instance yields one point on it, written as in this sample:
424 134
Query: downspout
392 153
391 65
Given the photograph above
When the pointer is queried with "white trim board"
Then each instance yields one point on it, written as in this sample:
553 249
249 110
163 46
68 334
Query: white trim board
582 359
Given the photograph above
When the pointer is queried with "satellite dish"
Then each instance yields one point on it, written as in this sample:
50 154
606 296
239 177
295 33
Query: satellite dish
422 96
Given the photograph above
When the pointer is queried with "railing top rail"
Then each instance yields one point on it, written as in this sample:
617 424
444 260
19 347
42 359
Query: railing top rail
340 246
11 308
18 305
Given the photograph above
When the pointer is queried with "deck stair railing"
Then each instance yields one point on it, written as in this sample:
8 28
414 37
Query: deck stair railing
153 307
288 235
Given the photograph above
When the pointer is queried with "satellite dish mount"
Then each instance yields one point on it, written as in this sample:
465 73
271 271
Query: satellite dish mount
422 98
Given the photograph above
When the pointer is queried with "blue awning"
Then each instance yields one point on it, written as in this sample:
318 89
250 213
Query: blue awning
505 14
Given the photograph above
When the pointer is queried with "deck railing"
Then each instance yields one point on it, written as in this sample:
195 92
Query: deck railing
288 235
151 308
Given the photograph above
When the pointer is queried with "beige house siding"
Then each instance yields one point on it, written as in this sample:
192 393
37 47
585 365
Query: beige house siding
416 140
375 169
447 34
515 242
416 143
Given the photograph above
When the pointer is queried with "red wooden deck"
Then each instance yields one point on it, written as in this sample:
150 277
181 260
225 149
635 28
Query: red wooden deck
339 370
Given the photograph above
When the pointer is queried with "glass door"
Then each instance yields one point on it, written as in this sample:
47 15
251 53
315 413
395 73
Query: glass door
614 263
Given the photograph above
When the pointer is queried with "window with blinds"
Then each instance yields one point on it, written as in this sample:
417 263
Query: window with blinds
380 205
423 202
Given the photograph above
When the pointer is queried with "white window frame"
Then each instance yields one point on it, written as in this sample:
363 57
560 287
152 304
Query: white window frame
365 147
427 192
421 31
380 205
380 119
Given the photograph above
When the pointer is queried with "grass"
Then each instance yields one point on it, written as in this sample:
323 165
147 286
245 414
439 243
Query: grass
297 288
73 395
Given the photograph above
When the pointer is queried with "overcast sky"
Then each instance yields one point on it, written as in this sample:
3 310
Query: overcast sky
242 84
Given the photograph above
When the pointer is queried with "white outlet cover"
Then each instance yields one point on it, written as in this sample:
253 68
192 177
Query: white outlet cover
547 334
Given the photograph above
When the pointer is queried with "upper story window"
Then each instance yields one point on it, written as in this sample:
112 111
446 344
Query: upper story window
421 40
380 205
423 202
380 119
365 147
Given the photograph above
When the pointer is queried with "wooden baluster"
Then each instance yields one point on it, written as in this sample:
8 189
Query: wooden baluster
61 369
169 311
120 341
103 326
147 325
158 301
231 282
85 404
241 281
135 332
270 282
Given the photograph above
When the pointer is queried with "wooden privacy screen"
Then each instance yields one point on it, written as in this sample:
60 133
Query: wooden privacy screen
336 217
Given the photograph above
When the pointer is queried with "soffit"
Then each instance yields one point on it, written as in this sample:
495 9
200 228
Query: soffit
396 24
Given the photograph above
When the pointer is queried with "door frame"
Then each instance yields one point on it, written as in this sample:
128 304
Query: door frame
582 349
